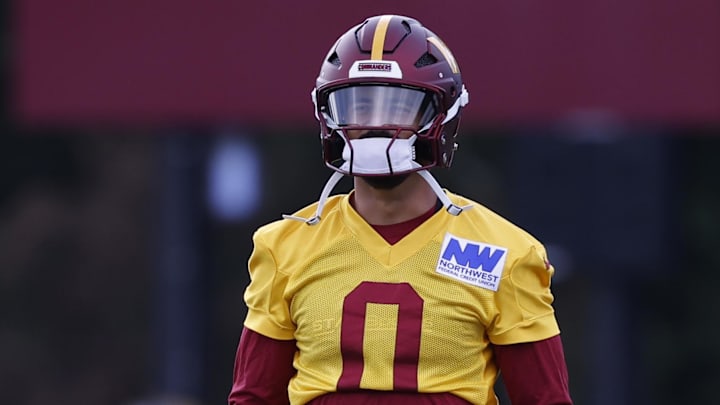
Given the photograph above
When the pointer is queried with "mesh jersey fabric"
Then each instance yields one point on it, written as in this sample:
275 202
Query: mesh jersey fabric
369 315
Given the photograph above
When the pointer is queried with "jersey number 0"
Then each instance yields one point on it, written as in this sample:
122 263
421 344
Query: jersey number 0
409 325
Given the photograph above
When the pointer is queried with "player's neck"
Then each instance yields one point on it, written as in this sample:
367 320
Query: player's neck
408 200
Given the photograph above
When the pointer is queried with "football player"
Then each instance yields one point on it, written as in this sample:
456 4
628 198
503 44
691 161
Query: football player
399 290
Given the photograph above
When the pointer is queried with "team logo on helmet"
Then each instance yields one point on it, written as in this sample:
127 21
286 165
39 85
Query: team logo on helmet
375 66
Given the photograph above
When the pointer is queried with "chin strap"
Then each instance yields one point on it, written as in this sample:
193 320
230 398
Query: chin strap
449 206
335 178
329 186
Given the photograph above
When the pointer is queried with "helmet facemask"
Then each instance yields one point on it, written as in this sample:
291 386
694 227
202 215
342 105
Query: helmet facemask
382 129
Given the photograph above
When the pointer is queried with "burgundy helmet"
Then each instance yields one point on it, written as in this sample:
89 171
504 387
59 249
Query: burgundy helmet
391 74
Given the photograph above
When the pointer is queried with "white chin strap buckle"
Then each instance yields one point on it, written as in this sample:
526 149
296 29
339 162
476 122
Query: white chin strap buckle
455 210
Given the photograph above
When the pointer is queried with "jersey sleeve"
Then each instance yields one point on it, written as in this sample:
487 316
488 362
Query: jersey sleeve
545 382
524 311
263 368
268 311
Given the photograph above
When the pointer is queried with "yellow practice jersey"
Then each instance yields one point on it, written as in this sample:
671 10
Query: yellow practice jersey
419 315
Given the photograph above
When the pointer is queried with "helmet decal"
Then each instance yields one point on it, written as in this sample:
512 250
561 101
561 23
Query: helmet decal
373 68
446 53
378 43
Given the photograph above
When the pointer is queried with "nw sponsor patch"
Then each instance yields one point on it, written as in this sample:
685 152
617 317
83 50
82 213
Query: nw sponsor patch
472 262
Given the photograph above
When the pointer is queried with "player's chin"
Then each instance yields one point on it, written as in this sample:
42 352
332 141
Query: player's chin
385 182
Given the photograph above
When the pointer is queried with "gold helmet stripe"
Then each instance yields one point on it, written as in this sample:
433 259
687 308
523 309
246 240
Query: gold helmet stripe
378 43
446 52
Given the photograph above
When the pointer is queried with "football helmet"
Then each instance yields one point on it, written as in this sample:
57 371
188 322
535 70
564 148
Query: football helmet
389 75
388 100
